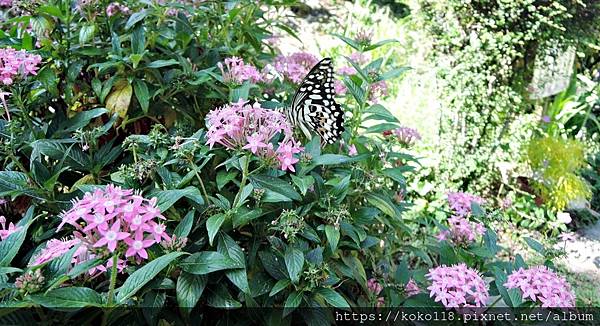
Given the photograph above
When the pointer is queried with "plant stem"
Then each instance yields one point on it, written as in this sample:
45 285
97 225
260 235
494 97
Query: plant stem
195 167
243 183
113 280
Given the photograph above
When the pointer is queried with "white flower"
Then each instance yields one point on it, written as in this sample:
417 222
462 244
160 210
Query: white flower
564 217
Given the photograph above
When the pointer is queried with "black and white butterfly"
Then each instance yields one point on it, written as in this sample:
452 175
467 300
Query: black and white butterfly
313 107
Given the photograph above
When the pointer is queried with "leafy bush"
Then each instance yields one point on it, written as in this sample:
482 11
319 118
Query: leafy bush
488 51
137 173
556 162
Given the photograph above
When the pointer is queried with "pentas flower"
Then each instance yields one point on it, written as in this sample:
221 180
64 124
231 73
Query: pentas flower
15 64
352 150
295 66
378 90
541 285
364 37
55 248
236 71
6 231
460 202
412 288
359 57
405 135
373 286
116 220
241 126
6 3
567 237
462 231
115 8
457 286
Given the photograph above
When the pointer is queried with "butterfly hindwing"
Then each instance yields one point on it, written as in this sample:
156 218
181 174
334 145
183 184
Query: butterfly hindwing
314 107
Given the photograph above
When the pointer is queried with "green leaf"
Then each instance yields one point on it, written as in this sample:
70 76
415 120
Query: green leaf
292 302
244 216
9 247
511 297
477 210
240 93
535 245
144 275
358 271
379 112
167 198
359 93
136 17
206 262
82 119
213 224
142 94
294 261
221 298
228 247
491 241
383 204
279 286
379 128
61 150
394 73
224 177
378 44
14 183
303 182
333 298
333 236
331 159
396 175
348 41
138 40
185 226
68 297
189 290
162 63
86 33
276 185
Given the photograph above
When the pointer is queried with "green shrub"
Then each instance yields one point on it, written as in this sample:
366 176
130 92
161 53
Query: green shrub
556 162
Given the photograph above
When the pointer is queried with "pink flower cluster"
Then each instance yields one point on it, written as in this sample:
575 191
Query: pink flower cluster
15 63
251 127
378 90
56 248
412 288
462 230
6 3
405 135
4 231
236 71
541 284
457 286
114 219
460 202
358 58
295 66
375 288
114 8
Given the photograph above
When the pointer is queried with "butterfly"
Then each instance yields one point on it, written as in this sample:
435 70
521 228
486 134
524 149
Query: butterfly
314 108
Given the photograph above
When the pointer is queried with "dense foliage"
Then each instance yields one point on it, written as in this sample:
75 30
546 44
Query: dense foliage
491 54
145 163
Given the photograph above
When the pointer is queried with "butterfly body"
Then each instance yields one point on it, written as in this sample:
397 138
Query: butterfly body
314 108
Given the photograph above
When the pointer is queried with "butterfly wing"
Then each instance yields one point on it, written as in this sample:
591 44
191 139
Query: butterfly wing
314 108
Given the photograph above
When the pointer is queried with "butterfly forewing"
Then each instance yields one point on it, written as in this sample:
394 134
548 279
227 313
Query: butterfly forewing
314 108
